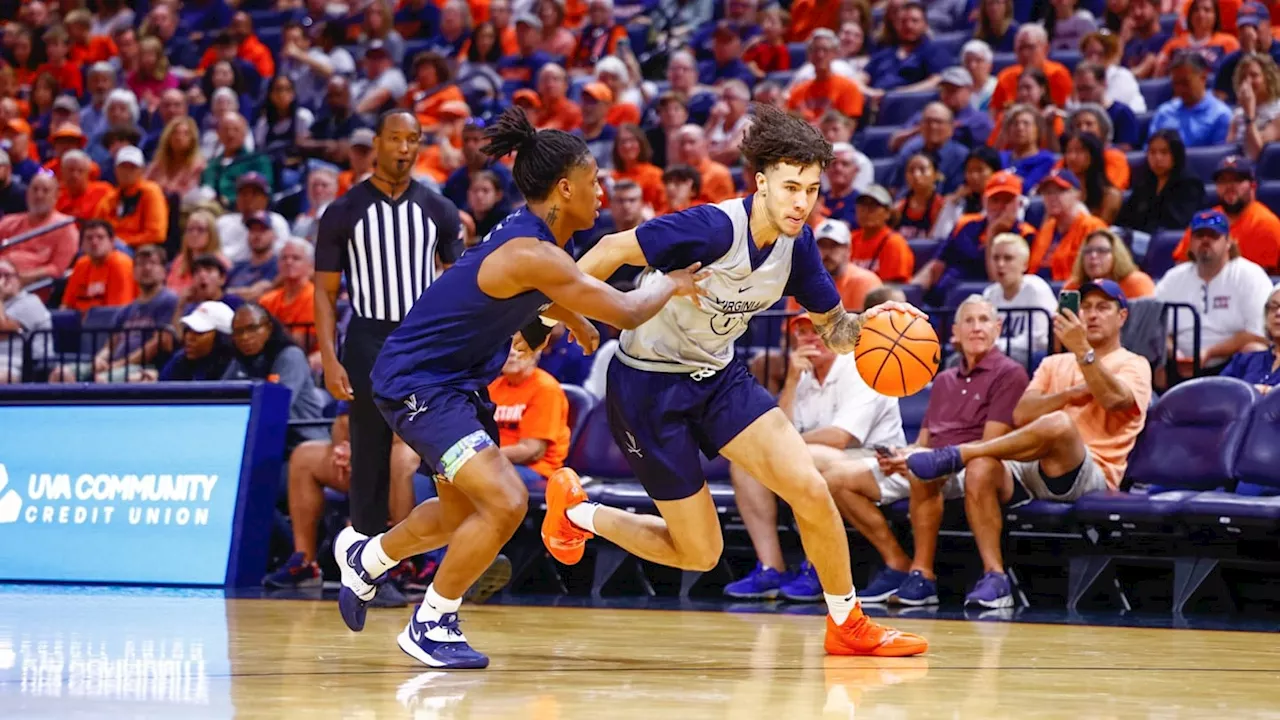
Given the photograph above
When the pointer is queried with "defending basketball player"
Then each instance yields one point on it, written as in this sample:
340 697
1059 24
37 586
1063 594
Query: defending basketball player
676 387
430 381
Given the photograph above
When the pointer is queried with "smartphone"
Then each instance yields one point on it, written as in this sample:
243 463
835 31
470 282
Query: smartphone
1069 299
882 451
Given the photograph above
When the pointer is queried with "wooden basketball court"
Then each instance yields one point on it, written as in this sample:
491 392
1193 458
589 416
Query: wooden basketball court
190 654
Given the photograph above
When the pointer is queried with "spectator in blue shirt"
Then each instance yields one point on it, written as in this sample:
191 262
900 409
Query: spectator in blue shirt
726 59
1142 51
1261 368
937 126
971 127
250 279
1201 118
520 70
1023 134
915 63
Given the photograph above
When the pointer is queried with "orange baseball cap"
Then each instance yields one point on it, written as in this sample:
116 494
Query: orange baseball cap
67 131
795 320
1002 182
529 96
454 109
598 91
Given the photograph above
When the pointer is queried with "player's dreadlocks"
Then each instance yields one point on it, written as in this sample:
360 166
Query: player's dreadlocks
542 156
776 137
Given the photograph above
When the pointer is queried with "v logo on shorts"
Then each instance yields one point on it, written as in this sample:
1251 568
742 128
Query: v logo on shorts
414 410
632 447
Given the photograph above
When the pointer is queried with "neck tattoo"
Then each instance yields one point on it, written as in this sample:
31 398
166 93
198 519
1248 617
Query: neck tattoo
552 215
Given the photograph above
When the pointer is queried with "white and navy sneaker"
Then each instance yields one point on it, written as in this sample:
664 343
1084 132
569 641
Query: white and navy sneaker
357 587
440 644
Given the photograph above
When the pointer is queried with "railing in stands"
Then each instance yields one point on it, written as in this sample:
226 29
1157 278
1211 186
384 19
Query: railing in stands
34 233
40 354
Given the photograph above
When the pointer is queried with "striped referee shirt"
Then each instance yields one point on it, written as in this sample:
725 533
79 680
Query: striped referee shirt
385 248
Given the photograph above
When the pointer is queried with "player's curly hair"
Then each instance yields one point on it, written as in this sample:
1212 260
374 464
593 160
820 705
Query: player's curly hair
542 156
776 137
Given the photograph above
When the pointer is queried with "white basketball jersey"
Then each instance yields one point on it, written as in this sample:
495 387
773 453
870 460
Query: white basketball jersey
688 337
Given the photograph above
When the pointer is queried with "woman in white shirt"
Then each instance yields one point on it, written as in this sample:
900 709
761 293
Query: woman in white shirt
1104 49
1013 288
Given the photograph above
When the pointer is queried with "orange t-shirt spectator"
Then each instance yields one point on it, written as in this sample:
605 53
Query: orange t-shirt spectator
103 276
874 245
1253 225
813 98
1061 193
1031 45
532 414
293 301
137 209
717 183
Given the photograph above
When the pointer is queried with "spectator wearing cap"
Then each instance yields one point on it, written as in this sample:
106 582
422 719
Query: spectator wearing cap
597 99
935 139
1260 368
206 350
66 113
64 138
137 349
1203 33
1257 121
103 276
80 194
970 127
104 152
1253 30
432 87
627 97
21 315
381 84
13 192
1228 292
252 198
557 111
915 62
523 66
875 246
223 172
1199 117
251 278
292 300
827 90
1254 226
963 256
728 122
359 160
1067 223
691 149
47 255
598 38
725 62
136 208
1031 46
23 156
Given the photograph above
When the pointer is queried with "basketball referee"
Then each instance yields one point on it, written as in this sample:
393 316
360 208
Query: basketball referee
390 236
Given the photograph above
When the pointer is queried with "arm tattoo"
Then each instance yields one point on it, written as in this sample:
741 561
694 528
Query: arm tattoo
552 214
839 329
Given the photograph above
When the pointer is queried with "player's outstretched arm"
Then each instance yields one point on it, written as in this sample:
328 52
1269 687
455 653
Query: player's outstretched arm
612 252
554 274
839 328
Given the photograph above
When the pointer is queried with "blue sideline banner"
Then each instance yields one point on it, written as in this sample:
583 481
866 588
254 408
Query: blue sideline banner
135 491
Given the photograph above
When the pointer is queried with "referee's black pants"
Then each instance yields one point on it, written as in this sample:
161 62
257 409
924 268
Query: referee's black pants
370 435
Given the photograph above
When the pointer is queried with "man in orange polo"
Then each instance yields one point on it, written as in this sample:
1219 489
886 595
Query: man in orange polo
1253 225
557 111
874 245
1031 45
137 210
80 194
1067 223
691 146
292 302
812 98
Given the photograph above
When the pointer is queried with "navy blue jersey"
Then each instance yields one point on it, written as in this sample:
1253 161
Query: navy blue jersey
456 335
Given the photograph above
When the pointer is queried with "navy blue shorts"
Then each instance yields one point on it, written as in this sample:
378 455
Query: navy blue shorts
446 426
661 421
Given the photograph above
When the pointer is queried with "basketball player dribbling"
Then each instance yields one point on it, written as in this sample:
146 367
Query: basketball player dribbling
429 382
676 386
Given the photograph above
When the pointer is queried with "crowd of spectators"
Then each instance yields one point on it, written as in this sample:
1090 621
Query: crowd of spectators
163 166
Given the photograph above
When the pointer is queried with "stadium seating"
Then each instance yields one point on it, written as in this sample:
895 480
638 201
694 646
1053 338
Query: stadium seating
897 107
580 404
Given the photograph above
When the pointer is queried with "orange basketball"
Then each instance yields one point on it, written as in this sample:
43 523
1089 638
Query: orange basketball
897 353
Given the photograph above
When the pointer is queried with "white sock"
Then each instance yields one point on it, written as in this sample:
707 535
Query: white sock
583 515
374 559
840 606
433 605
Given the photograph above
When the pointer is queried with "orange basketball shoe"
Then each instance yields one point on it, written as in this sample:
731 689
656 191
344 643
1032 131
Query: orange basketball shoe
859 635
563 539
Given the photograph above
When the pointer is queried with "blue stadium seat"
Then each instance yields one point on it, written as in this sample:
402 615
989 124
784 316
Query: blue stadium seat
896 108
1069 58
1168 22
1189 445
66 331
1202 161
953 41
874 142
1268 165
912 409
1156 92
96 328
799 54
1269 193
1255 504
884 169
1035 211
923 249
962 290
1144 126
1137 160
781 77
1002 61
739 182
595 453
580 403
1211 195
1159 257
